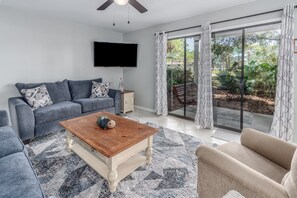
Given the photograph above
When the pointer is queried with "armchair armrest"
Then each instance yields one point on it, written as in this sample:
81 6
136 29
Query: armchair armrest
238 176
22 118
116 95
3 118
269 147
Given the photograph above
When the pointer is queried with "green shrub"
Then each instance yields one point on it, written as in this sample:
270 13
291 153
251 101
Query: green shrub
228 81
175 76
260 79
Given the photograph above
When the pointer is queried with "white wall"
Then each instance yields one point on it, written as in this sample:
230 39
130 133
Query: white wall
141 79
38 49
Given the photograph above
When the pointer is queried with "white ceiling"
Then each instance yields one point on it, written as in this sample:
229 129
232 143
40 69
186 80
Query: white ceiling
159 11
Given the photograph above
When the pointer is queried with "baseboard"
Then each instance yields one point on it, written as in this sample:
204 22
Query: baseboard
144 108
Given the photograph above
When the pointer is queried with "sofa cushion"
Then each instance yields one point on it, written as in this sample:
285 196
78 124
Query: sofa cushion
9 142
81 88
58 111
18 178
290 180
92 104
58 91
254 161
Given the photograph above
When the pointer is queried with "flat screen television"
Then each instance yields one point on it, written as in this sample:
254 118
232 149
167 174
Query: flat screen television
115 54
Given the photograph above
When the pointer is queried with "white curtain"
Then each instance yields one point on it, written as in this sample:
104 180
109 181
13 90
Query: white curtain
204 114
161 107
283 120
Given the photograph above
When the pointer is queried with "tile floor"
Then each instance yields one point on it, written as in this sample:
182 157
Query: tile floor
185 126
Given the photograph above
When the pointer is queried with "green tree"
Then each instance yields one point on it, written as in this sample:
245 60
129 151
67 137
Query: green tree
175 51
261 56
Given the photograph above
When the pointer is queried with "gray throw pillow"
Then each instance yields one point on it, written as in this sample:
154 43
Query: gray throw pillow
100 90
37 97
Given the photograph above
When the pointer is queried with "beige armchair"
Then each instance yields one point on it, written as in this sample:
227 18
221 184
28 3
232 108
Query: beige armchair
261 166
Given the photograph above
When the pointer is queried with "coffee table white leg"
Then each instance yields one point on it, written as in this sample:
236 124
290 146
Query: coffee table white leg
112 174
69 142
149 150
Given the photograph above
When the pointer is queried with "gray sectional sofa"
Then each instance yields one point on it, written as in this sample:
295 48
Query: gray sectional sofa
18 178
70 99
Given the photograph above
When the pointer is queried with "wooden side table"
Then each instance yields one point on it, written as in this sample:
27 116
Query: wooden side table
127 101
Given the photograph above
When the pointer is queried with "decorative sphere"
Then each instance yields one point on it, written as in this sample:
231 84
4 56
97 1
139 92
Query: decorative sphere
111 124
102 121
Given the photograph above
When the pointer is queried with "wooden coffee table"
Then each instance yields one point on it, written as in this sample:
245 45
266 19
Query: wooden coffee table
112 153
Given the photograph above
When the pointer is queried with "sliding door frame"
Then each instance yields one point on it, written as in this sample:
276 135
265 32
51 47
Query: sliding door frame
185 73
243 41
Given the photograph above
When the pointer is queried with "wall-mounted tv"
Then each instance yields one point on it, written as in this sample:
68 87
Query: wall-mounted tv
115 54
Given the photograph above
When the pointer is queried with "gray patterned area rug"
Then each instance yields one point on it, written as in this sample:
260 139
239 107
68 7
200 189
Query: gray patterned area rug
172 173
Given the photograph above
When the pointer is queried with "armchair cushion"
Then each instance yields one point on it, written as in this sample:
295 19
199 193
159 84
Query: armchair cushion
254 161
93 104
290 180
56 112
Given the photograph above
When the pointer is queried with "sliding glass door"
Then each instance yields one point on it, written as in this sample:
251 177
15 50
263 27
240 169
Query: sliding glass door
261 59
244 77
182 66
226 78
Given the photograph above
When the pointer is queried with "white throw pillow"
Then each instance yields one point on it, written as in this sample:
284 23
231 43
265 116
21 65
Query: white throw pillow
37 97
100 90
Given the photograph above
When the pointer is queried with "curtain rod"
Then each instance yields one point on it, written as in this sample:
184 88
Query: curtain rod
227 20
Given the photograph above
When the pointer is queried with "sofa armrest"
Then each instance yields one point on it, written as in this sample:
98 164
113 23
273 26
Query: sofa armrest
269 147
116 95
3 118
22 118
219 173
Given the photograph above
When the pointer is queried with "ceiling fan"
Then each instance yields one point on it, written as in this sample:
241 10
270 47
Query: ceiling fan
134 3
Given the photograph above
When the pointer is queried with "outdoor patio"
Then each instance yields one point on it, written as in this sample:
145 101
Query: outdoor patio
231 118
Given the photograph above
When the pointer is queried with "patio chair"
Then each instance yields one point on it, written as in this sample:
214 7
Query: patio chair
261 166
179 92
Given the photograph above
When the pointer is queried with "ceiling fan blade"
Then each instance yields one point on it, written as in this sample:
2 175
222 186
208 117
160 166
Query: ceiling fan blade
105 5
138 6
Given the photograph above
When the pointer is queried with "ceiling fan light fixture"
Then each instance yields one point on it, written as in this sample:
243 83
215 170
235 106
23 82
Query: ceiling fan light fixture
121 2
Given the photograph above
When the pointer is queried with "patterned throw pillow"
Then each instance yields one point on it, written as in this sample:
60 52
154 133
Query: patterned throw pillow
37 97
100 89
